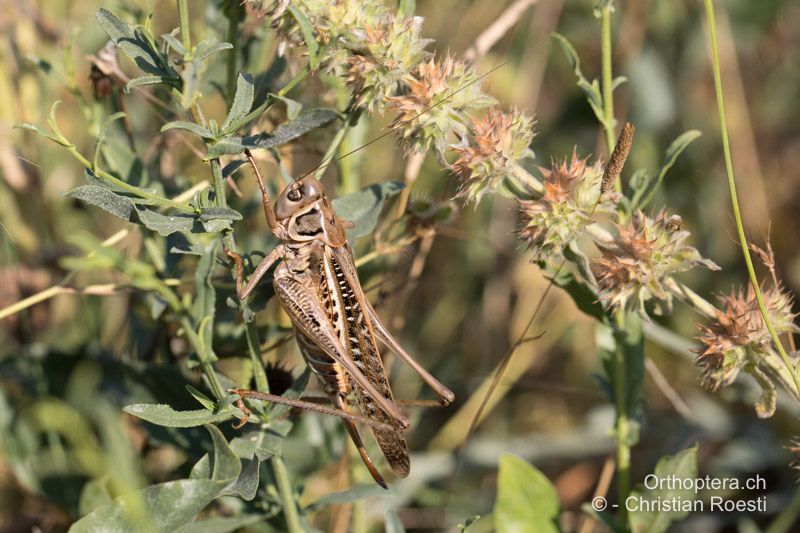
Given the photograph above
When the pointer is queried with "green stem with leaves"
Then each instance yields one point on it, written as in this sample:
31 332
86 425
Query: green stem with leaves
726 147
141 193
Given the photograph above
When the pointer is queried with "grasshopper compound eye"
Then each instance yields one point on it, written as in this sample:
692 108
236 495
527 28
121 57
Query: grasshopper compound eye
294 194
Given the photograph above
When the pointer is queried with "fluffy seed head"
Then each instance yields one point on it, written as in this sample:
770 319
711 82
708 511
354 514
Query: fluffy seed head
639 263
738 340
567 207
440 93
491 152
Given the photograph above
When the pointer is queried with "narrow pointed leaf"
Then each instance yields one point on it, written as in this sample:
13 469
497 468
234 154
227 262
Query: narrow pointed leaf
164 415
242 102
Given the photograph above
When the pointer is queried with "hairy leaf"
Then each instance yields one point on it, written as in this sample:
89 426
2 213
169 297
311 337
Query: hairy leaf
105 199
157 508
165 224
136 44
191 127
675 149
591 90
307 121
242 103
363 207
221 524
164 415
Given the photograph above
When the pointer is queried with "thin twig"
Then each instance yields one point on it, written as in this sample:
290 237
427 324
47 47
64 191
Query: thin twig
668 391
489 37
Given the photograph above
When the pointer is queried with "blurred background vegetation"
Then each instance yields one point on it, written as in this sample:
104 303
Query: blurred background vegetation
69 364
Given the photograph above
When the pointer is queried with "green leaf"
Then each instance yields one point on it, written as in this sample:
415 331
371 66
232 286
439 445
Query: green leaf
39 131
680 466
293 107
219 213
157 508
221 524
191 127
149 79
591 90
105 199
675 149
526 500
94 494
354 493
363 207
307 121
242 103
308 35
225 466
136 44
124 163
206 48
246 485
165 224
164 415
204 400
102 136
172 41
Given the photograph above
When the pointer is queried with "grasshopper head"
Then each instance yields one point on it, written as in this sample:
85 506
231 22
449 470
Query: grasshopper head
305 212
297 196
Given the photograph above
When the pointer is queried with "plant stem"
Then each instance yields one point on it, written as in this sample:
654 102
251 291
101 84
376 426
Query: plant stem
330 153
620 397
294 81
233 13
253 346
607 81
293 523
726 147
183 14
202 355
219 198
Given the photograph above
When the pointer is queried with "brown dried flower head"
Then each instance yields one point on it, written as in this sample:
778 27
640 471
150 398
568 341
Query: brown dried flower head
738 340
440 93
492 152
638 265
570 200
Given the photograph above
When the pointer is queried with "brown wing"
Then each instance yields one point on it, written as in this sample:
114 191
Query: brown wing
363 350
